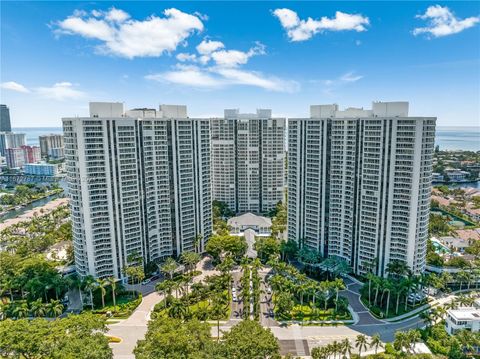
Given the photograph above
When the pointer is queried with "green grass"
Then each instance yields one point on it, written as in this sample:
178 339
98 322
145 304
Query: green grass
375 310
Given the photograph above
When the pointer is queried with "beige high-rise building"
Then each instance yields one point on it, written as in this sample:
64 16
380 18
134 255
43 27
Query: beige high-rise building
248 160
359 184
139 183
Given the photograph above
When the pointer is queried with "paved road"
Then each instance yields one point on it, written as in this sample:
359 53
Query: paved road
135 327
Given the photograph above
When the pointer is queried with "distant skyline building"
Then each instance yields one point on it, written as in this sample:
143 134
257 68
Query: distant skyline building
19 156
248 160
359 184
50 142
11 140
139 183
5 125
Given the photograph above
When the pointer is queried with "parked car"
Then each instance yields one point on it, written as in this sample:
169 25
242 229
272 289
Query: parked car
234 297
146 281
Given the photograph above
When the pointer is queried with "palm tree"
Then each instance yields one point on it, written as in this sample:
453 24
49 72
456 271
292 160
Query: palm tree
20 310
113 284
217 312
55 308
361 343
462 276
90 284
177 309
169 267
37 308
388 288
177 286
346 348
76 282
370 277
338 285
401 341
334 348
398 291
376 342
397 268
190 259
413 336
102 283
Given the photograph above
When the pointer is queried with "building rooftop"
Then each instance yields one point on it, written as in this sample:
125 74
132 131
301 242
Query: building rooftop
467 313
250 219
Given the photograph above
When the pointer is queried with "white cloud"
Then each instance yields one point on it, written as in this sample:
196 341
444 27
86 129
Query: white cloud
182 57
60 91
206 47
216 67
442 22
189 76
233 58
301 30
350 77
125 37
218 77
14 86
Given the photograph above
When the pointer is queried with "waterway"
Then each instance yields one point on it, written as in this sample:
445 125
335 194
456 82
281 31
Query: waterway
37 203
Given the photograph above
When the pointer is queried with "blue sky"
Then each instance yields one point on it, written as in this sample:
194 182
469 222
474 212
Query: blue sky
58 56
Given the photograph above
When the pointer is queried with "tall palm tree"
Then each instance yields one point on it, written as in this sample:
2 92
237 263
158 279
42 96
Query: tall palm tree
76 282
361 343
190 259
90 284
113 284
346 348
169 267
338 285
376 342
335 348
462 277
102 283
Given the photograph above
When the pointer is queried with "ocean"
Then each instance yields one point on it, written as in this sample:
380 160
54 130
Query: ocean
448 138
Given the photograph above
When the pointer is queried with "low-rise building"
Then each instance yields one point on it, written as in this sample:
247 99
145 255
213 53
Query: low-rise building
261 225
462 318
457 244
437 177
456 175
41 169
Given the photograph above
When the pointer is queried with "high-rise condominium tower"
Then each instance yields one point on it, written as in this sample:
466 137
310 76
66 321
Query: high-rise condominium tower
359 184
248 160
48 144
5 125
139 184
11 140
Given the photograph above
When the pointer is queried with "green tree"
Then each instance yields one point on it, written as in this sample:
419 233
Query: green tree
171 339
266 247
169 267
77 336
190 260
90 284
113 284
249 339
376 342
102 284
361 343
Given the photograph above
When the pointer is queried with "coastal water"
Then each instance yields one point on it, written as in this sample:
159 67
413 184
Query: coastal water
448 138
32 133
458 138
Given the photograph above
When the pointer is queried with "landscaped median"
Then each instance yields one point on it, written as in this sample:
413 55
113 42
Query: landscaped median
298 299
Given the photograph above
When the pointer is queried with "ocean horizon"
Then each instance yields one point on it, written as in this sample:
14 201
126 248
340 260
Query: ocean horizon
447 137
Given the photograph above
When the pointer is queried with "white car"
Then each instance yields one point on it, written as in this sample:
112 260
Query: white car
146 281
234 297
234 290
269 290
